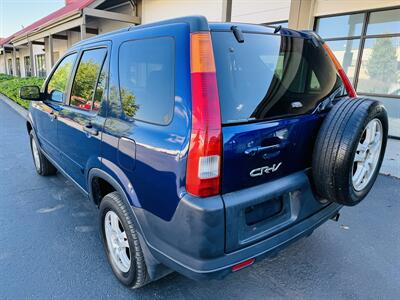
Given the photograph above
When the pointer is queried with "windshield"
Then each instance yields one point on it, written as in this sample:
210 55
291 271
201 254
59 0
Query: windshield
269 76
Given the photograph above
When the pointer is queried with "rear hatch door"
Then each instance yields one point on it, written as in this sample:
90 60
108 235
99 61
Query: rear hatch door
273 89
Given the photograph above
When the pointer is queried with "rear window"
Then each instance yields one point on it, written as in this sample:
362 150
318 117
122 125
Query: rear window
270 76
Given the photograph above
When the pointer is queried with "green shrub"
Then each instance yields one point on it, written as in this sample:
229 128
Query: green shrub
10 86
5 77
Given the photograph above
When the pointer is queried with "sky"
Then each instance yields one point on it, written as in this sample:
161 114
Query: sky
17 13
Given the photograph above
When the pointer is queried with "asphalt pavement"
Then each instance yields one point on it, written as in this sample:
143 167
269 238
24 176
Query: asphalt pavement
50 245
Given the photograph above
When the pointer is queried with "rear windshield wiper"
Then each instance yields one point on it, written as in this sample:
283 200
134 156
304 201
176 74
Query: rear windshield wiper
238 34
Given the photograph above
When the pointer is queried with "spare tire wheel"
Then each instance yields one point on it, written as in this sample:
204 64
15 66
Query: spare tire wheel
349 150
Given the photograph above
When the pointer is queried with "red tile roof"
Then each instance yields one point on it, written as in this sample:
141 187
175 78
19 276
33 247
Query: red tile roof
58 14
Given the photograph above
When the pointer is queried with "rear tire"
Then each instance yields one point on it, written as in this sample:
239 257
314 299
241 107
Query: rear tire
349 150
121 242
42 165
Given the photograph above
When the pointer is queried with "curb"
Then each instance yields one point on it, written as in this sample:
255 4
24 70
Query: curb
16 107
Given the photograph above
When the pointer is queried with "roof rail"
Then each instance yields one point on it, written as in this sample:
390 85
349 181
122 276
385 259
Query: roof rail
196 23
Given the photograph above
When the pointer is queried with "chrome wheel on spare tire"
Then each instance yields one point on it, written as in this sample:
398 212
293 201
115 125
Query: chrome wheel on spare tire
349 150
117 242
367 154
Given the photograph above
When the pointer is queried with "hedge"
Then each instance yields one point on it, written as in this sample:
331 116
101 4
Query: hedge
9 86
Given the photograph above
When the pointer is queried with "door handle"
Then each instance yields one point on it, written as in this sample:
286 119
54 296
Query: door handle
261 149
90 130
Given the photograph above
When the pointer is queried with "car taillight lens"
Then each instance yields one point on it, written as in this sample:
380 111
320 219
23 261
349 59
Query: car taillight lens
203 166
347 84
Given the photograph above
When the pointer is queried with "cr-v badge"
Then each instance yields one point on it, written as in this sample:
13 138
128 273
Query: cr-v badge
265 170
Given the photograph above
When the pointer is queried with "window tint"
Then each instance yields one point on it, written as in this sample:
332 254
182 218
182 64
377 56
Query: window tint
271 76
84 94
146 74
340 26
57 85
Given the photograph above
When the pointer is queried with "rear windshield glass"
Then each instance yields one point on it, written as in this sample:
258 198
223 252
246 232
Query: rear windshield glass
269 76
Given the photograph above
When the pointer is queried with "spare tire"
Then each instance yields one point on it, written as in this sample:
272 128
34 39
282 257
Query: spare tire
349 150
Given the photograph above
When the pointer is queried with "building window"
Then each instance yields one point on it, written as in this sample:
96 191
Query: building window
27 66
18 67
10 67
368 47
41 65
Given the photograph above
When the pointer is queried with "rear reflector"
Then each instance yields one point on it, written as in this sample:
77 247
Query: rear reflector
203 165
347 84
243 264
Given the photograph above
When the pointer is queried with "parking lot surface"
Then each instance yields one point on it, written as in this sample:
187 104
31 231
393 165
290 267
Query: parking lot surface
50 246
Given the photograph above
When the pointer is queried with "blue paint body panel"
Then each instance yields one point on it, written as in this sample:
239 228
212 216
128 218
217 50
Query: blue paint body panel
146 163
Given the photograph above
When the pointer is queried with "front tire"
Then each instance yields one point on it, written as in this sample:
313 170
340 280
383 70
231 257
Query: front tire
121 242
42 165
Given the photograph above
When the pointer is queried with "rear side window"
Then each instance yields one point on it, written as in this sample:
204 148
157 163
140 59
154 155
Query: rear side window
88 85
270 76
147 79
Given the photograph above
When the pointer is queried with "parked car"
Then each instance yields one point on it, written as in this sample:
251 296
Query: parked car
205 146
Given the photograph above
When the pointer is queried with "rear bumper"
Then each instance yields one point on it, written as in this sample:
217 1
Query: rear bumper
206 237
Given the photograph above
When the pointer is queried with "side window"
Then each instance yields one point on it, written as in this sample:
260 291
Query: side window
57 86
147 79
86 93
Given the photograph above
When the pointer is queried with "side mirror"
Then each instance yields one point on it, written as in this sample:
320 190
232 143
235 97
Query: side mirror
30 92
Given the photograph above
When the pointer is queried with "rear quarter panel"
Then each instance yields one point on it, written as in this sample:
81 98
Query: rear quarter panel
156 178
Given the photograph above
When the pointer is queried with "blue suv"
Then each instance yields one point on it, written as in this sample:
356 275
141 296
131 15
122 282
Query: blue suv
206 146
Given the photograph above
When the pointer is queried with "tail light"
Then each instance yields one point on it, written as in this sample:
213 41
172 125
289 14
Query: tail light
204 158
347 84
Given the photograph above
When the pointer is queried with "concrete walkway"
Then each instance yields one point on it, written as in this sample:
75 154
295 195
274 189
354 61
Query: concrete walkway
391 162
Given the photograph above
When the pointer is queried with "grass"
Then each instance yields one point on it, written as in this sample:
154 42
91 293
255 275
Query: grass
9 86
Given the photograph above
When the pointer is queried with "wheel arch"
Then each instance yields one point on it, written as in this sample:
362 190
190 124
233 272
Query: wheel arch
154 267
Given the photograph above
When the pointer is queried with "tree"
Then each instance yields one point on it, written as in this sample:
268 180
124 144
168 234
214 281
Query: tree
382 64
129 105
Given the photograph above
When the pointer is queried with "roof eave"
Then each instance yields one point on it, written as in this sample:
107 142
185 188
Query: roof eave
26 37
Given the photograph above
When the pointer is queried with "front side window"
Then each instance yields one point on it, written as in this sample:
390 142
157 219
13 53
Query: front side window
147 79
57 86
86 93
